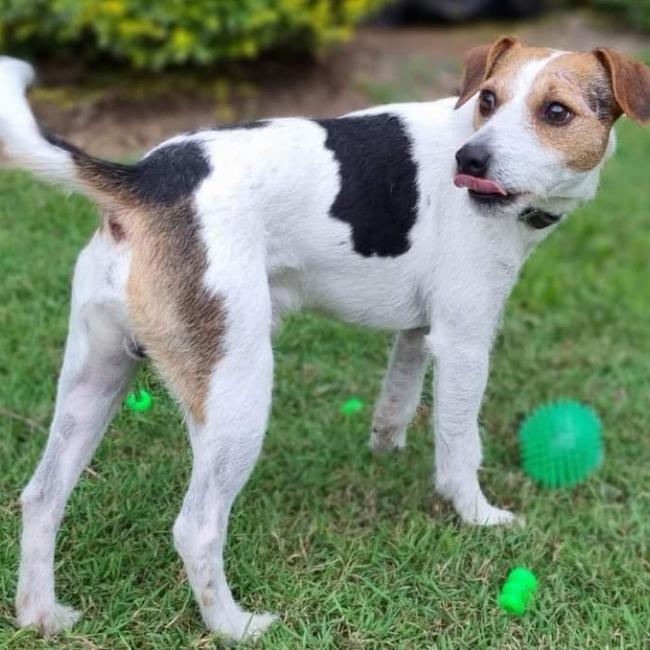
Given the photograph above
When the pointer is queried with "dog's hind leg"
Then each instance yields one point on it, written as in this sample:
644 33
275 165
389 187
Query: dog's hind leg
96 372
401 391
225 445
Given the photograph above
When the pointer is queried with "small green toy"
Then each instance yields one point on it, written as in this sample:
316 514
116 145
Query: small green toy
517 591
139 401
352 406
561 443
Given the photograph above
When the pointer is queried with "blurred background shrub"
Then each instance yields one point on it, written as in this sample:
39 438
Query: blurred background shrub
158 33
636 13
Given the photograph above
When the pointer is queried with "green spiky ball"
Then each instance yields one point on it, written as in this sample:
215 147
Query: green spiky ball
561 443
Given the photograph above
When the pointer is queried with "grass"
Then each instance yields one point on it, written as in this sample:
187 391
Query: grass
353 550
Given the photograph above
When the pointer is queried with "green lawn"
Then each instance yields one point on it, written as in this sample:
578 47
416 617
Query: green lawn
354 550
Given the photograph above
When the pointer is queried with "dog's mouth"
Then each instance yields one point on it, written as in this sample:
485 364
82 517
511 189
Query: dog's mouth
483 190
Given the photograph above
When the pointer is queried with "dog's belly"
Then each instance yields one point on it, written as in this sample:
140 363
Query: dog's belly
373 307
377 298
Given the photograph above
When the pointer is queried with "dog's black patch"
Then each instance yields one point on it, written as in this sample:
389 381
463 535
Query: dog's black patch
166 176
378 195
257 124
170 173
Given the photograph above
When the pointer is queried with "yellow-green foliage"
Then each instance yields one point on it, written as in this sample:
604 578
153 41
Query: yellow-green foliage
156 33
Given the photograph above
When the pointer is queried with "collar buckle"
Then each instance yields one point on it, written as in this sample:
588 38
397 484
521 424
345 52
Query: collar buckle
539 219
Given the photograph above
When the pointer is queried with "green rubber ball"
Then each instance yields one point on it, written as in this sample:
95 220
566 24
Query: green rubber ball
561 443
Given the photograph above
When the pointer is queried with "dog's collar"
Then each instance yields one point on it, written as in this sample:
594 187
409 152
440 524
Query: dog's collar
539 219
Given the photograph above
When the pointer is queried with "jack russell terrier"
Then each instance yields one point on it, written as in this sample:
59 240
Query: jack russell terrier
428 209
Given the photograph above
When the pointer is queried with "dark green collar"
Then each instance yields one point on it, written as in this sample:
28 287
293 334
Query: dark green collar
538 219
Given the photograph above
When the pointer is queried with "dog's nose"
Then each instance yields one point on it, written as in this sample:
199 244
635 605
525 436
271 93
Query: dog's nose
473 159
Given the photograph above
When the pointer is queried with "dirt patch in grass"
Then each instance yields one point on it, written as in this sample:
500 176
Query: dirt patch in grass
113 113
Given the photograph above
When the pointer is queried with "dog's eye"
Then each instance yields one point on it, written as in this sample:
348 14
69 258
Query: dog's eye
487 102
557 114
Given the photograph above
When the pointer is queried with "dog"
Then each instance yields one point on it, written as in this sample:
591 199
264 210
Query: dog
414 218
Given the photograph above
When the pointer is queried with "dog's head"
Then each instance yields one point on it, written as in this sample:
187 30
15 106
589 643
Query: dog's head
543 122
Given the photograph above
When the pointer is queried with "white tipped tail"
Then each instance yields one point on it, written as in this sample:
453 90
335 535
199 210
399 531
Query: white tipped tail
22 144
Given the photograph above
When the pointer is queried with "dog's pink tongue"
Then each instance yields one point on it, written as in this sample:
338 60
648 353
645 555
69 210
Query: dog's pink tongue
480 185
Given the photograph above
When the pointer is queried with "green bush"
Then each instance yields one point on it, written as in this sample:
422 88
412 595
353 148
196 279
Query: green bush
157 33
635 13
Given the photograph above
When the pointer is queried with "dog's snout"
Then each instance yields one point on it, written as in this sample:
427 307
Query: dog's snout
473 159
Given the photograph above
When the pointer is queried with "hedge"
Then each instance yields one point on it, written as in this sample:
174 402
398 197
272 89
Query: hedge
159 33
635 13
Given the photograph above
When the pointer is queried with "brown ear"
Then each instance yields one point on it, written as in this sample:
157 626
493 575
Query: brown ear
479 62
630 83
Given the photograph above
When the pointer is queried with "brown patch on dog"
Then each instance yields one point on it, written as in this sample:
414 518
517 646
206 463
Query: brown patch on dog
579 82
495 68
501 80
180 323
175 317
630 81
479 63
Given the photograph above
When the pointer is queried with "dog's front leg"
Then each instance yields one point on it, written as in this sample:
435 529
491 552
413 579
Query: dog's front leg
401 391
461 370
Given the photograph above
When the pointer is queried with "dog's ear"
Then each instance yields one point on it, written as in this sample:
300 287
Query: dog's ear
630 83
479 62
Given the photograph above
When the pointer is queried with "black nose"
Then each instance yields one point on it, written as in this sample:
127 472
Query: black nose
473 159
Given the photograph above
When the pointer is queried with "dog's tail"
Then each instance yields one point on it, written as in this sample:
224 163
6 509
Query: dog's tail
25 146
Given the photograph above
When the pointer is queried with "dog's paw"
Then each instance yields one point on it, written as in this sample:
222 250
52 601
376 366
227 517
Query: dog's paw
49 619
385 440
243 626
471 505
488 515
